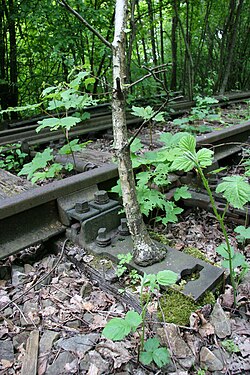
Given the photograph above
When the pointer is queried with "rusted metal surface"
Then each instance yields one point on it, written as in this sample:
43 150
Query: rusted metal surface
34 216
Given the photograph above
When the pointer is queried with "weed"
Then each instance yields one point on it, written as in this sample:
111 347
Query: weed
11 157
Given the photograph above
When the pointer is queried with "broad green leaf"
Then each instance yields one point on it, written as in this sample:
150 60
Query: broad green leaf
181 121
236 190
136 145
244 233
205 157
188 143
161 357
237 260
171 213
52 123
166 277
48 90
116 329
146 358
89 81
133 319
222 250
183 163
151 344
159 117
54 104
145 113
182 192
68 122
40 161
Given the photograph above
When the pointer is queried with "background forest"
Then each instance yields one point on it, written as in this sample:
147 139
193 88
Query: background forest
205 45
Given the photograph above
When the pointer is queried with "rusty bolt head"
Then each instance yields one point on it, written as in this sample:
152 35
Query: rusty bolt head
123 228
102 238
101 197
82 207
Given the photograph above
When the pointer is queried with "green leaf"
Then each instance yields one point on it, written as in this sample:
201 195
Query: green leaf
116 329
146 358
69 122
159 117
136 145
205 157
151 344
171 213
161 357
145 113
236 190
166 277
222 250
182 192
188 143
133 319
237 260
183 163
244 233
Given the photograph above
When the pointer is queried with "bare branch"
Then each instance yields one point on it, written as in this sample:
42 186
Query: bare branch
64 4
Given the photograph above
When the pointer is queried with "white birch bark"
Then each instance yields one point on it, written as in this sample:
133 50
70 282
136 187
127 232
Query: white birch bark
145 250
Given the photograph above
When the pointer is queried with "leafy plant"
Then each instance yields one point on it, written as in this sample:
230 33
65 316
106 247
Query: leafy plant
148 115
124 259
118 328
244 233
230 346
153 179
43 165
201 112
154 353
234 189
11 157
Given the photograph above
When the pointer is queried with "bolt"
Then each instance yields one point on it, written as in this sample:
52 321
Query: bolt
102 239
123 228
82 207
101 197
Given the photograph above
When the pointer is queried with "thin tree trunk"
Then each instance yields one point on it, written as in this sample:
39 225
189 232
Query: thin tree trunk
173 84
13 102
145 251
231 49
152 33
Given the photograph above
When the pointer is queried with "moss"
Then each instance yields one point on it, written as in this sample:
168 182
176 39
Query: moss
160 238
196 254
177 307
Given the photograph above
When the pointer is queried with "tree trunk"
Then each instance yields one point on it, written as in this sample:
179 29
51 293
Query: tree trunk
13 102
231 49
173 84
145 251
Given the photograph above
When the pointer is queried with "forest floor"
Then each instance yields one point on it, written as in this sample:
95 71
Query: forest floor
53 314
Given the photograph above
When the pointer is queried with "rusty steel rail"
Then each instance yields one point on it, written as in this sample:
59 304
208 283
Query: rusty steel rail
32 216
100 120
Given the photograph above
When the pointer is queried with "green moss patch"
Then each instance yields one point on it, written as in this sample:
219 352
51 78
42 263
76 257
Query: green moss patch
196 254
177 307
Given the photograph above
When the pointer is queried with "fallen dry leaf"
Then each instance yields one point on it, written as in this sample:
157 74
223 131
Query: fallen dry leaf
206 330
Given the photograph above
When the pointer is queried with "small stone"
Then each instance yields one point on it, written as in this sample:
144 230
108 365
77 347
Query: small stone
74 324
59 366
79 344
19 339
86 289
7 312
93 357
30 311
64 267
87 317
6 350
28 268
209 360
220 321
111 276
17 275
47 340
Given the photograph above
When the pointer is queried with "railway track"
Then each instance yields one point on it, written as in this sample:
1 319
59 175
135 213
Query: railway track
39 214
100 120
80 207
